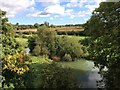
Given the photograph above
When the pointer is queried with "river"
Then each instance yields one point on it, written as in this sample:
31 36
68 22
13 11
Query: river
85 72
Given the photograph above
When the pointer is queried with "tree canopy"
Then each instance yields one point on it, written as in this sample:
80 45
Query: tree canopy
104 44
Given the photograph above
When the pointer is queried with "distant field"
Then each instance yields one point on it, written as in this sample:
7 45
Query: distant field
74 38
57 29
62 29
68 28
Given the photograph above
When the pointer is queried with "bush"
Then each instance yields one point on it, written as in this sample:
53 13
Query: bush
17 35
31 43
67 46
67 57
24 36
53 76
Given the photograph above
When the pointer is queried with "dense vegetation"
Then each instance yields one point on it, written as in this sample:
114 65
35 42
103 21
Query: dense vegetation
47 43
104 44
13 58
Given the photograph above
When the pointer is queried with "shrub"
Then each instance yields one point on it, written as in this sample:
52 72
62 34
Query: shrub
31 43
53 76
67 57
16 35
24 36
40 51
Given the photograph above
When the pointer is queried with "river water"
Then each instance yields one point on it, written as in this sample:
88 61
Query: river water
85 72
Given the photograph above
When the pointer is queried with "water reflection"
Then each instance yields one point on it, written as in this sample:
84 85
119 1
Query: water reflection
27 50
85 73
89 78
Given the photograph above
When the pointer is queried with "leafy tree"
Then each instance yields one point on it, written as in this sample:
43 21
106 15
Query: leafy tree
6 27
66 46
13 59
45 41
2 17
36 25
46 24
104 46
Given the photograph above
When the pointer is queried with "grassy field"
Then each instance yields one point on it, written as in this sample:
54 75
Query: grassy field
22 41
74 38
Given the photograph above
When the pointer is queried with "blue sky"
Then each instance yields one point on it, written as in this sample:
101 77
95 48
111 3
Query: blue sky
57 12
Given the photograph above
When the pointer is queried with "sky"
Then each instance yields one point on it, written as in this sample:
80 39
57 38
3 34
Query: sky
57 12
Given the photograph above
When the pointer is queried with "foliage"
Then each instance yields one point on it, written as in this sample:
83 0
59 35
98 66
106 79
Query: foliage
78 33
2 14
13 63
46 24
55 77
64 45
22 42
44 41
7 28
33 77
36 25
104 46
48 43
67 57
13 59
31 43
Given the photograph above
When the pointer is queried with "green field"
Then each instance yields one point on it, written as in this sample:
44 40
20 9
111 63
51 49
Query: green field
22 41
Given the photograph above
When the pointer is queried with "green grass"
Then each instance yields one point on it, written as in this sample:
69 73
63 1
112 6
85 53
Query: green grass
39 59
74 38
22 41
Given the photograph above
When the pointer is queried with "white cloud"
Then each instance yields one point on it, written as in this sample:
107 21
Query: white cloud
31 9
48 2
80 3
56 16
83 13
72 4
91 7
54 9
51 18
68 12
72 16
38 14
76 3
13 7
